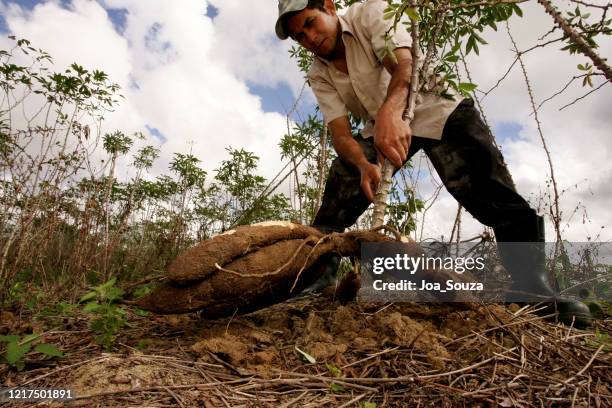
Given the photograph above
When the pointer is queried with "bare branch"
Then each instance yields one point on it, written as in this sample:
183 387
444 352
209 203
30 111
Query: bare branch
563 89
584 96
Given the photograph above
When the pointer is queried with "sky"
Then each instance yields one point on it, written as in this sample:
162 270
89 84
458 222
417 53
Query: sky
199 76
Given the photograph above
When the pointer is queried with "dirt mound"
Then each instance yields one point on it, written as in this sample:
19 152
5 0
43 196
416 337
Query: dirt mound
331 335
112 374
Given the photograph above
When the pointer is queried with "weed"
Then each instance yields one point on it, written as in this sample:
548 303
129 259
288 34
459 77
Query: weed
17 348
335 387
333 370
109 317
599 340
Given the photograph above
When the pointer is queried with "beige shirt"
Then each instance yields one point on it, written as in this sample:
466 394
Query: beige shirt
363 91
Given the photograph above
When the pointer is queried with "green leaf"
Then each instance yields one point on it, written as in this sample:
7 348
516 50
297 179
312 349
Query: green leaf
479 38
467 86
369 405
517 10
333 370
452 58
412 13
91 307
15 352
389 52
9 339
471 42
114 294
48 349
29 338
103 288
88 296
140 312
306 356
335 387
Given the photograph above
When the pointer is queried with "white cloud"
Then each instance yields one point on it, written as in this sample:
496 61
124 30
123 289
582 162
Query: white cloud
247 42
191 74
171 76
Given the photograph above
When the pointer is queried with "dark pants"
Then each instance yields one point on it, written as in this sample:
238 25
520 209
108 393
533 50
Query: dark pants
471 168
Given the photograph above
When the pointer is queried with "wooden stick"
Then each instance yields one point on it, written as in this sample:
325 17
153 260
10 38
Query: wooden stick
380 199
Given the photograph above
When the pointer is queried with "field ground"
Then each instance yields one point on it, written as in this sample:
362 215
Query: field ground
365 355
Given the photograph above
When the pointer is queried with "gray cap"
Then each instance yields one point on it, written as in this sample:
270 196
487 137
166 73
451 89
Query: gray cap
284 7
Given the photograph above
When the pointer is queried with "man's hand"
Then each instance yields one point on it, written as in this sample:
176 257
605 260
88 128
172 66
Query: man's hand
350 152
392 137
370 179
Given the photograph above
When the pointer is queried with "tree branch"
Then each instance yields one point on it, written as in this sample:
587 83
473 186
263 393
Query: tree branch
580 42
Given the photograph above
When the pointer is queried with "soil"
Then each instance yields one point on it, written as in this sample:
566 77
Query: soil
390 355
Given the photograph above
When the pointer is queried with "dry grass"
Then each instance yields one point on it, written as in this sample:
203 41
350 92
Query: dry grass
389 355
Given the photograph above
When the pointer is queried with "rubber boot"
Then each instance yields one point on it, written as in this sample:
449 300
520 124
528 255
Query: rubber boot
522 250
325 268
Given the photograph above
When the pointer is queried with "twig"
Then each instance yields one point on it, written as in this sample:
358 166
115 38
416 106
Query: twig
64 368
583 96
556 215
354 400
293 401
176 397
299 274
380 353
579 373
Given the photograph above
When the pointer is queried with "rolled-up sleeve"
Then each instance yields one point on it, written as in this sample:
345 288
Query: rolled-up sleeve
330 103
377 27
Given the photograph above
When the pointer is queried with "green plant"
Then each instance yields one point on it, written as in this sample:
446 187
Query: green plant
17 348
109 316
335 387
143 344
600 339
333 370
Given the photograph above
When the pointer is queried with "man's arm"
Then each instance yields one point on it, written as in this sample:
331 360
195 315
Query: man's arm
349 151
392 135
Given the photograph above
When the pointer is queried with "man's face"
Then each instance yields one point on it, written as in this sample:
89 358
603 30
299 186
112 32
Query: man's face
315 30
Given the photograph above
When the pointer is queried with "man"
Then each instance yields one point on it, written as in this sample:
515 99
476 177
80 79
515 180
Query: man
354 72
